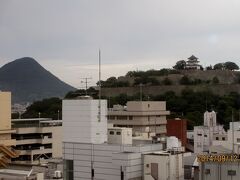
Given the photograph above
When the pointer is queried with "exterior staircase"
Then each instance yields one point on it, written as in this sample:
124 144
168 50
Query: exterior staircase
6 153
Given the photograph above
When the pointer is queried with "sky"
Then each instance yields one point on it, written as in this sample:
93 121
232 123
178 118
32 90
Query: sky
65 36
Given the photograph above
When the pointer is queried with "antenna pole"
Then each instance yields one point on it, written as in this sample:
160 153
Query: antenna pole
86 81
232 134
99 84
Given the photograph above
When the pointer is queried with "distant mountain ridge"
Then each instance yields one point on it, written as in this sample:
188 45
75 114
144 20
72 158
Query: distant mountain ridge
29 81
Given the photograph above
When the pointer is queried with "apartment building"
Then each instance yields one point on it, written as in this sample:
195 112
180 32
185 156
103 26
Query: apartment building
6 141
141 116
37 139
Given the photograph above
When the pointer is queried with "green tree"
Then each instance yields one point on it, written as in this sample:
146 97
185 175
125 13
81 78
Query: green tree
231 66
209 67
215 80
218 66
49 108
185 80
167 81
180 65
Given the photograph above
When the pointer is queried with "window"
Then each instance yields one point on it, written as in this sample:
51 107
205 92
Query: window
207 171
111 132
121 117
148 105
217 138
223 138
130 118
205 135
147 165
118 133
238 140
111 117
68 169
231 172
199 134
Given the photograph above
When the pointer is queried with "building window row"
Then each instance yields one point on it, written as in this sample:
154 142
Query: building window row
229 172
112 133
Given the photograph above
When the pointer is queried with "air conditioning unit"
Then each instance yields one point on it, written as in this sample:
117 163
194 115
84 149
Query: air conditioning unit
57 175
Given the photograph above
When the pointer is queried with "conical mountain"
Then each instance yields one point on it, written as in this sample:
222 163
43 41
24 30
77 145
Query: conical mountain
29 81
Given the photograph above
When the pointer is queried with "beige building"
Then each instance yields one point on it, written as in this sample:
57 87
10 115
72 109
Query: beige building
37 139
141 116
5 120
6 141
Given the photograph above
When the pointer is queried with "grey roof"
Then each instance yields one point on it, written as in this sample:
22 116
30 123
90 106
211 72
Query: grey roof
192 57
189 160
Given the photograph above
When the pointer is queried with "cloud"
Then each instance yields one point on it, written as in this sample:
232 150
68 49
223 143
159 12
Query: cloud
136 33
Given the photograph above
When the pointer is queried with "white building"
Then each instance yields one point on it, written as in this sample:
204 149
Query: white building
83 122
163 165
118 135
229 142
219 171
204 135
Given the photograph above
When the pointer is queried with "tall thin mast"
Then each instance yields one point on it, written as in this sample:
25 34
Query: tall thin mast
99 84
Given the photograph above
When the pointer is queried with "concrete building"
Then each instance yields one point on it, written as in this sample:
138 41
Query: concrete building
229 142
82 116
219 171
5 120
87 155
204 135
37 139
6 141
13 174
118 135
141 116
178 127
163 165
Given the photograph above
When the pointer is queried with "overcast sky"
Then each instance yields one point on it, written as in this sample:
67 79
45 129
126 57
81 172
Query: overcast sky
64 36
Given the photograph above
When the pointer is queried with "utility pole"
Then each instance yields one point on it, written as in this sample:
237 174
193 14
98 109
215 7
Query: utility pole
99 84
232 134
140 85
86 82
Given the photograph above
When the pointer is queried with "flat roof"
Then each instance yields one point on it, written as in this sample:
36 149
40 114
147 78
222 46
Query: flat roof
32 119
14 172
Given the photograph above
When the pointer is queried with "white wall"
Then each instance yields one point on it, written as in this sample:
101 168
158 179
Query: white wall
81 121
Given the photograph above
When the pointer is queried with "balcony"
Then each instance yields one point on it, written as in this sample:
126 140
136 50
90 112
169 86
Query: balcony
35 151
34 141
8 142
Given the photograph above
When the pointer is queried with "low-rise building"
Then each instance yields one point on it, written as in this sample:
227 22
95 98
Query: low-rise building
141 116
37 139
163 165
